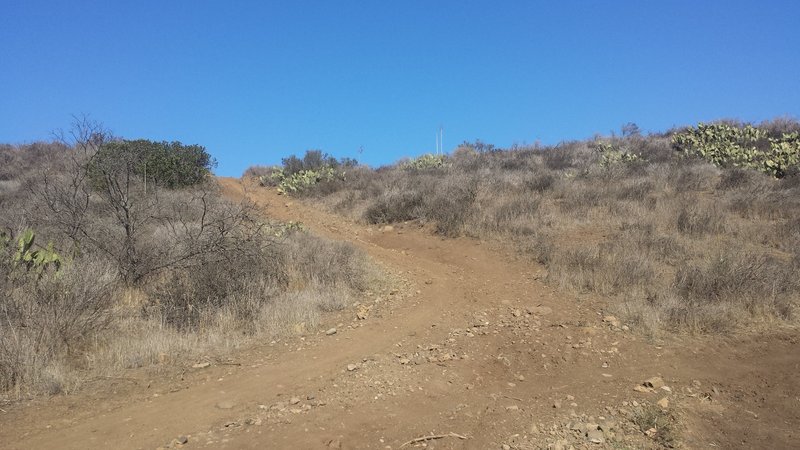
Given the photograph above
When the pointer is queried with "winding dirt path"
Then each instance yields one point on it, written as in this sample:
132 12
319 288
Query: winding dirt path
476 346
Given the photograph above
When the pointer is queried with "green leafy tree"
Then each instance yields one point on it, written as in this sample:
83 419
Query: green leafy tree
168 164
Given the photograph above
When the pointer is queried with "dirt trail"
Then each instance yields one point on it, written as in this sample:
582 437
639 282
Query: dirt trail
477 346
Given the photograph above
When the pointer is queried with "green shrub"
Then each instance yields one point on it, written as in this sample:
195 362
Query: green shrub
168 164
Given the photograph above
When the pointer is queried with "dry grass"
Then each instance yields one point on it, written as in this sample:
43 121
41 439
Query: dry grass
199 275
82 322
680 244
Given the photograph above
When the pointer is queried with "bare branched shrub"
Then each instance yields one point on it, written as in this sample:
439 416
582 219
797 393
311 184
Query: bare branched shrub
395 206
540 182
450 204
258 171
50 319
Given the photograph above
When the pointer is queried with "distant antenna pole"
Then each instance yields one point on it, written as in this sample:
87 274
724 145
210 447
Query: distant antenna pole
441 137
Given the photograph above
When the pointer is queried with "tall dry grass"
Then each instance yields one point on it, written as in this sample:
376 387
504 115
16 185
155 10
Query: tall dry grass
152 278
680 244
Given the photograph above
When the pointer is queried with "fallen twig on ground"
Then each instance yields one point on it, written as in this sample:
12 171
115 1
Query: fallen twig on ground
432 437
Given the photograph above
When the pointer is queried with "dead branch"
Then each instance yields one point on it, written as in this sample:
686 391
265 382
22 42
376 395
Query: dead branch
433 437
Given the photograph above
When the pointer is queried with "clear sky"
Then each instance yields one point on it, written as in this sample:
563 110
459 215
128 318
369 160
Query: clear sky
255 81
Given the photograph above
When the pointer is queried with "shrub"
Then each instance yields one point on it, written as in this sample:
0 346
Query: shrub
733 276
394 207
451 204
540 182
49 318
695 220
258 171
169 164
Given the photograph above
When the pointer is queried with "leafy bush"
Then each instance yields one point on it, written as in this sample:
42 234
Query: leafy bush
169 164
748 147
314 160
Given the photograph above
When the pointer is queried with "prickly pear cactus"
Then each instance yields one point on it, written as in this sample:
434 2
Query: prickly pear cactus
35 260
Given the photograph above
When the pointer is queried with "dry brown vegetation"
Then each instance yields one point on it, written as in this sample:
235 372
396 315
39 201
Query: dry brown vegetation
150 275
681 244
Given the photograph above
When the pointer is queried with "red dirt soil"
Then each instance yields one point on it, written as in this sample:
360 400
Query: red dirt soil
472 344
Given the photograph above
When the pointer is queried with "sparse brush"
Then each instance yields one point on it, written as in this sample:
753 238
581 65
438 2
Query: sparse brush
657 424
636 228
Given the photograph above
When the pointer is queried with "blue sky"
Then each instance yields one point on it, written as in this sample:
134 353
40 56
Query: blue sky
255 81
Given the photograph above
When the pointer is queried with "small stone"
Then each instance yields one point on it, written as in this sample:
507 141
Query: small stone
612 320
226 404
201 365
654 383
506 447
663 403
578 426
280 406
404 361
607 425
182 439
331 332
388 228
640 388
351 367
516 313
512 408
595 436
294 400
557 404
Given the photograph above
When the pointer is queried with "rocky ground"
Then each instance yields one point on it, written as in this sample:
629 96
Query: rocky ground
467 348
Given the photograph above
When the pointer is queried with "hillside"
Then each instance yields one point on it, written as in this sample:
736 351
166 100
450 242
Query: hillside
522 298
